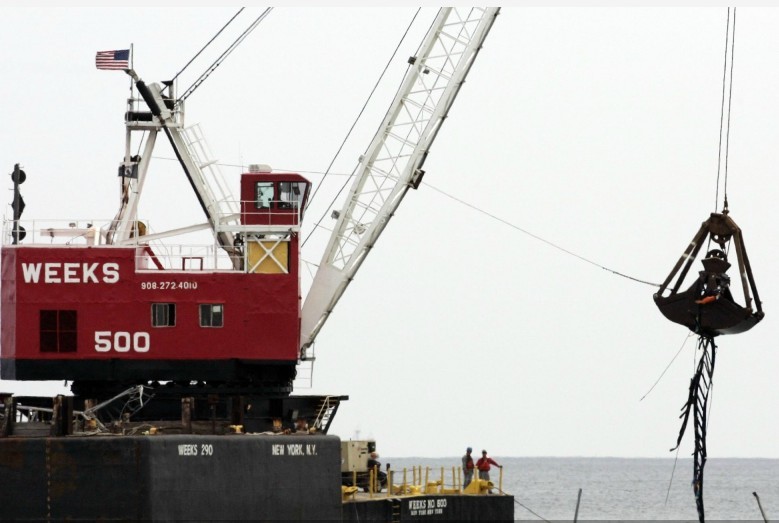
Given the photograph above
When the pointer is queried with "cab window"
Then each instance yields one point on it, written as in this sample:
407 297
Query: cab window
291 194
264 194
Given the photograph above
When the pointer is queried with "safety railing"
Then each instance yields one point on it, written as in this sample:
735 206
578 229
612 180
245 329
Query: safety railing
138 116
56 232
159 256
270 212
420 481
265 217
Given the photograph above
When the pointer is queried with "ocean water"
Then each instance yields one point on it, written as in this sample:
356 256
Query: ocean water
628 489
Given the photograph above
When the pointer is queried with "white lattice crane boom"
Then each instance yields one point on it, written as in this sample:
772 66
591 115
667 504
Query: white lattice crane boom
393 162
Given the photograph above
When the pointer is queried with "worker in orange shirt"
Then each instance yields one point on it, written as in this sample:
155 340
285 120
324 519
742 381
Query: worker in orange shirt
483 464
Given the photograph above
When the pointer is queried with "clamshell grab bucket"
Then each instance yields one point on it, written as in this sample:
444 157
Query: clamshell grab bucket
707 307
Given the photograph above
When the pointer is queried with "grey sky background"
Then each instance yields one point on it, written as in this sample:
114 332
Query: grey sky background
596 129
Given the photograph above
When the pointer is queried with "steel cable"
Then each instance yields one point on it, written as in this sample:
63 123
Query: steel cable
539 238
359 115
522 505
730 38
730 104
208 43
192 88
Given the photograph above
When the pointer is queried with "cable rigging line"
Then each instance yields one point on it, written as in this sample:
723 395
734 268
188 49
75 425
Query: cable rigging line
326 173
530 510
730 38
722 110
462 202
536 514
359 115
208 43
687 337
191 89
671 481
730 99
539 238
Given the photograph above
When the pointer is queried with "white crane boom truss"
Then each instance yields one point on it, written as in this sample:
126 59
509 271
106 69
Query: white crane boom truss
393 161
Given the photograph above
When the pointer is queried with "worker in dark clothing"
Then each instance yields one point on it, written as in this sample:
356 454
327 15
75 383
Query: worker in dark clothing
468 467
373 461
375 464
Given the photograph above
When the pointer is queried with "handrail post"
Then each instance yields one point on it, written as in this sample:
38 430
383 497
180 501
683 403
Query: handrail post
403 491
500 479
441 487
371 478
454 481
427 470
390 472
354 478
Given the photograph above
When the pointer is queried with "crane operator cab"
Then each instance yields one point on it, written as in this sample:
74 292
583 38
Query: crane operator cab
272 207
708 306
269 198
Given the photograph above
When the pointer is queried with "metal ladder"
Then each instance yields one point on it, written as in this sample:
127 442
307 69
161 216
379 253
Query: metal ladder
227 208
325 412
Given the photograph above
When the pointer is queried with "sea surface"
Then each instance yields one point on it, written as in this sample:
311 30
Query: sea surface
627 489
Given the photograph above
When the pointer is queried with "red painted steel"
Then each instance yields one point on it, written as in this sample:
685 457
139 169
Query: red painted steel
111 294
261 311
275 214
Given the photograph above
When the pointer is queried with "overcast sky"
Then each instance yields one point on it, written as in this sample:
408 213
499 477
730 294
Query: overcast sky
596 129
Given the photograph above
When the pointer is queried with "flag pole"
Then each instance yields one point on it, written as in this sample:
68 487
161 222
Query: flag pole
132 67
128 138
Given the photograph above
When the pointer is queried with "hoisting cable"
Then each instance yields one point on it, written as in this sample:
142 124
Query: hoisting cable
722 111
208 43
730 99
359 115
191 89
730 38
376 85
332 202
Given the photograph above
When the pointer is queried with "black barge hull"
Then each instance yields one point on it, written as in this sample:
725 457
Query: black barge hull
203 478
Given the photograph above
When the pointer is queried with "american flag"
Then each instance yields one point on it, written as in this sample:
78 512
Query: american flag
119 59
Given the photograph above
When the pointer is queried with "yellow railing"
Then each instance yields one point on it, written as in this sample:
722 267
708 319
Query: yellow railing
420 484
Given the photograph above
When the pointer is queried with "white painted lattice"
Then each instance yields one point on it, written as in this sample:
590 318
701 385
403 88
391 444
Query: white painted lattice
393 161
